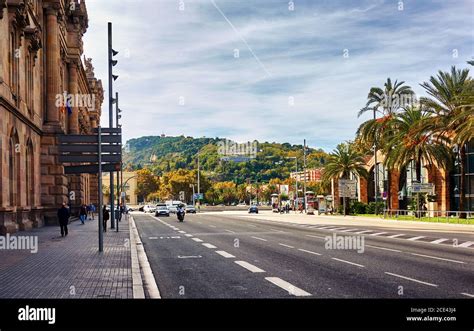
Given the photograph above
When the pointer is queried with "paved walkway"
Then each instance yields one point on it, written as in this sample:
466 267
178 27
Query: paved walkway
69 267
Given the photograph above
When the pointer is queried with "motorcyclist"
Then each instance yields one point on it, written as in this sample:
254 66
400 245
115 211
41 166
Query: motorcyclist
180 212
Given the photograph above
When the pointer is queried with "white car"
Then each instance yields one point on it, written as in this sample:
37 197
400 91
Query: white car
149 209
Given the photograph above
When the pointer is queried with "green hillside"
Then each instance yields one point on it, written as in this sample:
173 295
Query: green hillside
163 154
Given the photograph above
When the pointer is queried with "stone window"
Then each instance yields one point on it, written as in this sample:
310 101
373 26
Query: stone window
30 174
13 165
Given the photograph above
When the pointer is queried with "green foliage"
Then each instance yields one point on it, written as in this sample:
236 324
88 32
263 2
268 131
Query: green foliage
165 154
372 206
358 207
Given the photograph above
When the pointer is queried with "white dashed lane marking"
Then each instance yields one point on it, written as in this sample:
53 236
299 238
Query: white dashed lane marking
197 240
385 249
225 254
304 250
348 262
411 279
209 245
259 238
286 245
468 295
291 289
437 258
188 235
249 267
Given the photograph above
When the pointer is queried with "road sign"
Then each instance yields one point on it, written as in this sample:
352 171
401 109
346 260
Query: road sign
422 188
91 168
113 158
198 196
347 188
89 139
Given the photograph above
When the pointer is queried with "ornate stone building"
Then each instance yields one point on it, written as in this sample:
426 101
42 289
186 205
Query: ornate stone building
41 60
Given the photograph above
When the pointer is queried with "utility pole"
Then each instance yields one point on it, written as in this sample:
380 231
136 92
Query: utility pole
304 167
117 117
376 173
101 215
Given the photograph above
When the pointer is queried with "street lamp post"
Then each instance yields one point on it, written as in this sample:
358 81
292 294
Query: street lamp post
376 173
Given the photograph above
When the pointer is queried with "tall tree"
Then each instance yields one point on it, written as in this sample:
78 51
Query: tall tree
447 102
147 183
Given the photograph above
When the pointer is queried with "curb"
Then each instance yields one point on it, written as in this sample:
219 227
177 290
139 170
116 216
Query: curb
140 264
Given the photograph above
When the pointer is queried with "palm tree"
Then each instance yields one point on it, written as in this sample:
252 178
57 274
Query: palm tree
344 161
471 62
411 140
450 94
389 99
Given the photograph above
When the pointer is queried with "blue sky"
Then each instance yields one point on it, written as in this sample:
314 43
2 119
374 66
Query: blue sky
179 73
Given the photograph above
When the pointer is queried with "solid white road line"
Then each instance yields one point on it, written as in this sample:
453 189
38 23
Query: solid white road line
439 241
197 240
360 232
292 290
356 264
225 254
377 234
412 279
466 244
188 235
259 238
249 267
385 249
285 245
396 235
229 231
437 258
415 238
209 245
304 250
468 295
309 235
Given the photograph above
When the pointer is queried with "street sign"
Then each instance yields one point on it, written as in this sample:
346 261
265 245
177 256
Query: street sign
422 188
88 148
113 158
91 168
89 139
347 188
198 196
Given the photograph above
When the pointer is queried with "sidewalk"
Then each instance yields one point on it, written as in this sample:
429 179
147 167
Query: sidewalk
69 267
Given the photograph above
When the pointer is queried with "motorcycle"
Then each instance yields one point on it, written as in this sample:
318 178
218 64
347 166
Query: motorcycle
180 215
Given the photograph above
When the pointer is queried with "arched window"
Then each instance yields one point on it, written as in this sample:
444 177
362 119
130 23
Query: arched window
30 174
13 169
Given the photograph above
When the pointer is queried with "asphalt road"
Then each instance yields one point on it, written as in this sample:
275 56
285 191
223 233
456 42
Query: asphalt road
225 256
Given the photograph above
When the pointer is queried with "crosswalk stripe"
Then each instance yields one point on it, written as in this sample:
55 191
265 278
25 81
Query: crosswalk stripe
439 241
466 244
377 234
396 235
415 238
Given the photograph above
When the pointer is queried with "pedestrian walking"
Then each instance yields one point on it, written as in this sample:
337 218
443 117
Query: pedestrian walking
105 217
89 210
93 210
83 214
63 217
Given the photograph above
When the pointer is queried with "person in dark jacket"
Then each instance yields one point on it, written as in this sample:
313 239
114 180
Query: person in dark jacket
105 217
63 217
83 214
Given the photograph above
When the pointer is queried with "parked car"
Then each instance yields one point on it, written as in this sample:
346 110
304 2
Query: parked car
253 210
173 209
190 209
162 210
149 209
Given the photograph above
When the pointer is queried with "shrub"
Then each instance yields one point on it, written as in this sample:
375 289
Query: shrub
373 205
358 208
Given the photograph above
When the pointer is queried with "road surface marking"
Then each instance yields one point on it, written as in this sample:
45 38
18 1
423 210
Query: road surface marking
438 241
285 245
197 240
182 231
249 267
259 238
304 250
209 245
276 230
325 228
377 234
468 295
229 231
225 254
175 237
292 290
466 244
386 249
364 231
338 229
396 235
359 265
153 238
437 258
309 235
213 226
412 279
415 238
189 257
349 230
253 226
188 235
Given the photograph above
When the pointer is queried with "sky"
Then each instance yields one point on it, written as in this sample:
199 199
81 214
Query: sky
270 70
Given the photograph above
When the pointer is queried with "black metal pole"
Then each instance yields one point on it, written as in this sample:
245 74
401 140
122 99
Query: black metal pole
101 229
376 173
111 125
118 171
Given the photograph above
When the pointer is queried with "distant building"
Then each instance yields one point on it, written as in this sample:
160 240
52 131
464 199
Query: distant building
130 182
312 175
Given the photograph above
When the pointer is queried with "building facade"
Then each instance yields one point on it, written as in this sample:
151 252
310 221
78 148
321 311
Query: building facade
130 187
46 89
312 175
393 186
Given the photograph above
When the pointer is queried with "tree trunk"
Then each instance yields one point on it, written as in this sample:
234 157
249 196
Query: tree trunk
461 181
